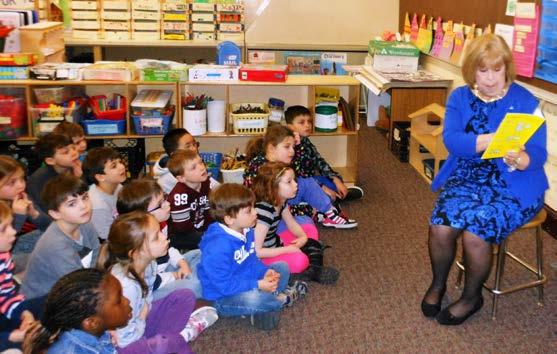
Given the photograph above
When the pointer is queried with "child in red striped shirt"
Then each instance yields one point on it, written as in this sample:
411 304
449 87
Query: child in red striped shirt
16 314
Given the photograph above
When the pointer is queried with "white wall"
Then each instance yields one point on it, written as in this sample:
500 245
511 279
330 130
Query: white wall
346 22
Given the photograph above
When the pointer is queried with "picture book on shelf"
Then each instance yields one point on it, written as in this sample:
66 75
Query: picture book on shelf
303 63
333 63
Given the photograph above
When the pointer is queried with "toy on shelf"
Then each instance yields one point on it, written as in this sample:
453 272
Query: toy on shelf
46 116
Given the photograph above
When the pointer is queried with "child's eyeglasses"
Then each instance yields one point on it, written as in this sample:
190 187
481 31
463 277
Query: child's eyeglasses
160 204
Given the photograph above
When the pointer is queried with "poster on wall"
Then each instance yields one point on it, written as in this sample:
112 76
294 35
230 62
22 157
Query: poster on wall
546 60
525 38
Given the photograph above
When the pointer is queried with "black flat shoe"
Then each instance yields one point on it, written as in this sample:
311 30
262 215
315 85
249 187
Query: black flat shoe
431 310
445 317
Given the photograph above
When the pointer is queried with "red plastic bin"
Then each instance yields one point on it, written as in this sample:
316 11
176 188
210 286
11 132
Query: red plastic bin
111 114
13 117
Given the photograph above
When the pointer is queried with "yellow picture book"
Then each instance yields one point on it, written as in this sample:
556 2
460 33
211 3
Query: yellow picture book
513 132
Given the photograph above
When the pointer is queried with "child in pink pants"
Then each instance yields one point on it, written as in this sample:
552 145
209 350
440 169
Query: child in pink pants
298 244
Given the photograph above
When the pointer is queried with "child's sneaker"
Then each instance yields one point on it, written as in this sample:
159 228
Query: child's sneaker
296 291
354 193
334 219
199 320
266 320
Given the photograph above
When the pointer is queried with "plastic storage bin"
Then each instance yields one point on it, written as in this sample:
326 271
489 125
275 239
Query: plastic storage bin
213 161
112 113
250 123
57 94
104 127
13 117
45 119
153 124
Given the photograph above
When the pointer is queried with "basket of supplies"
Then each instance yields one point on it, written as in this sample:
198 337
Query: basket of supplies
155 122
213 161
249 118
105 109
233 176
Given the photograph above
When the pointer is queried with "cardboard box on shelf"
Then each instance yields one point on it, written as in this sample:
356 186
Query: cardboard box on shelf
213 73
394 56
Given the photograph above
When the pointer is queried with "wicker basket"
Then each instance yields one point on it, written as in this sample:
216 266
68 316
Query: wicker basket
250 123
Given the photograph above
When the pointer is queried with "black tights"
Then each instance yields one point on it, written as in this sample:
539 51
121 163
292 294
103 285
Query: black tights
477 258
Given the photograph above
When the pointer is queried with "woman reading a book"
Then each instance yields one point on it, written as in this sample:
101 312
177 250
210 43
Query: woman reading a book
484 200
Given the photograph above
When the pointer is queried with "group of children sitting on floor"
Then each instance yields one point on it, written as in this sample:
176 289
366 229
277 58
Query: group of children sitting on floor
106 266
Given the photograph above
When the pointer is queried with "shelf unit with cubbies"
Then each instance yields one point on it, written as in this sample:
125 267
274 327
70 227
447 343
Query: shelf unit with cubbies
426 140
90 88
339 148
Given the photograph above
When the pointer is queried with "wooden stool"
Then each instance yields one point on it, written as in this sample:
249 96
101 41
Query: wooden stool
501 252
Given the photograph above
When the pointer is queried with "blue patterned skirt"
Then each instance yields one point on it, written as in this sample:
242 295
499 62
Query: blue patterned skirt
476 199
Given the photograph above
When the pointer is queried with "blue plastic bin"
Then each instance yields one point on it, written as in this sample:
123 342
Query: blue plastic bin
213 161
104 127
152 124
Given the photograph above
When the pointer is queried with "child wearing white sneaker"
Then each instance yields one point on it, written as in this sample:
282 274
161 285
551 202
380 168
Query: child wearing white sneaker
308 162
231 275
165 325
278 146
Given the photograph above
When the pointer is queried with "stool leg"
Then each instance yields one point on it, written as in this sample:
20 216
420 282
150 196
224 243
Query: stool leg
539 258
499 267
459 274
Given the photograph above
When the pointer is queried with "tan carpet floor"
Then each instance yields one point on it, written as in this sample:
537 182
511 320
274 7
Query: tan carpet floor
375 307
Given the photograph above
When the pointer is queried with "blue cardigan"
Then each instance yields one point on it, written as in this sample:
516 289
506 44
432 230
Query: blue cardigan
528 185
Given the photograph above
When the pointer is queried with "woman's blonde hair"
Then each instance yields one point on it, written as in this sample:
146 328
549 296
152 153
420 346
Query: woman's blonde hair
488 50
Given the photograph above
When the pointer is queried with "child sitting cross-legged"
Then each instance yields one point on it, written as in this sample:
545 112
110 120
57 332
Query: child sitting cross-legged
79 311
277 145
278 235
175 271
16 312
164 325
231 274
307 161
189 200
105 172
69 243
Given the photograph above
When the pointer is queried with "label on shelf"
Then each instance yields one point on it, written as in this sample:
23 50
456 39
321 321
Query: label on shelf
250 123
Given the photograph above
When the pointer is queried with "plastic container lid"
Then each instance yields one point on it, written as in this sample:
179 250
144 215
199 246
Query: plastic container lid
327 110
275 102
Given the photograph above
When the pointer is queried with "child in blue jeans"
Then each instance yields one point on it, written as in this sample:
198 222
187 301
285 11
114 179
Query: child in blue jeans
231 275
278 146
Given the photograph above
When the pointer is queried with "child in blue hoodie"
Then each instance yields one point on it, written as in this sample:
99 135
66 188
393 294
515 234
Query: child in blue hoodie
231 275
